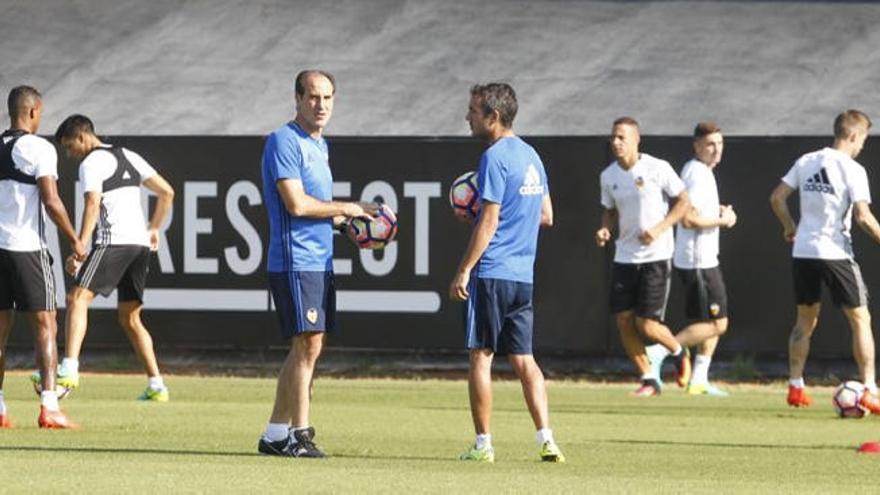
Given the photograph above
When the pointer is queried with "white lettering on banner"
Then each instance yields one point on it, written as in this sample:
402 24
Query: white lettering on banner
54 248
341 190
422 192
193 225
246 261
384 265
239 265
366 301
166 262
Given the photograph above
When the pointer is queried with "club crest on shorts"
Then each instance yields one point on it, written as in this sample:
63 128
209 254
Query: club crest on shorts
312 315
714 309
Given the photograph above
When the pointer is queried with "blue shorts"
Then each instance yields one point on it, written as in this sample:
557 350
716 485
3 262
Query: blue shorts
304 301
499 316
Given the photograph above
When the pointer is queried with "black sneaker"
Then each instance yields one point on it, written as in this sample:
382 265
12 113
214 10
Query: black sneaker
281 447
303 444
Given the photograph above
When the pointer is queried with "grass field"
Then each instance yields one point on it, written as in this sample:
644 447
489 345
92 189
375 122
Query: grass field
403 436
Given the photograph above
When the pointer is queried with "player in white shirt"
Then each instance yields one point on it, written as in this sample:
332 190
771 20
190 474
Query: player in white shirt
831 186
113 218
635 190
696 260
28 193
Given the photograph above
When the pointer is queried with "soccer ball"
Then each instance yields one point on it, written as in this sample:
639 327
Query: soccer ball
464 196
375 234
846 400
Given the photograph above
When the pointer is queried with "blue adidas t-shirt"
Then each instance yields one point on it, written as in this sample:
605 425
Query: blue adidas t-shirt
296 243
512 175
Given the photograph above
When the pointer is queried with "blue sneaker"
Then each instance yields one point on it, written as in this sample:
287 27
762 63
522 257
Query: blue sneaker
656 356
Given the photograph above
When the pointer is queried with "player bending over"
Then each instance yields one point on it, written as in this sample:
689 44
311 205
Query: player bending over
111 178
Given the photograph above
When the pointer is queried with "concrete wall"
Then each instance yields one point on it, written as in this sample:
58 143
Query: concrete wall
405 66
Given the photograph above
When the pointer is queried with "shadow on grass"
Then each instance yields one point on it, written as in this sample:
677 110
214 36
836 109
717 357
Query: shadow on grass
723 445
108 450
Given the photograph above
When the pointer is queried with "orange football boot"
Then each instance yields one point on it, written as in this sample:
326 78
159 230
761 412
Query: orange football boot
5 422
870 402
55 420
797 397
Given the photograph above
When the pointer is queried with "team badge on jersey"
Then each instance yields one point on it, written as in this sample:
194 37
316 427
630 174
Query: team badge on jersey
640 182
312 315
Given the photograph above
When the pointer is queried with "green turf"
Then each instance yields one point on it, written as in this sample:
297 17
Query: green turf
403 436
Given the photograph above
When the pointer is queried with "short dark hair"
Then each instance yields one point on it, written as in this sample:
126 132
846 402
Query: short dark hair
301 77
73 126
845 123
703 129
626 121
498 97
21 99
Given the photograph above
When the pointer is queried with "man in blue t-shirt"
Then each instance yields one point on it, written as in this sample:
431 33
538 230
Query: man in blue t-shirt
297 190
495 273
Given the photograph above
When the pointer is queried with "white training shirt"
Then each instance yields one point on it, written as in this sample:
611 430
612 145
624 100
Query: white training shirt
121 220
640 196
698 248
828 182
22 216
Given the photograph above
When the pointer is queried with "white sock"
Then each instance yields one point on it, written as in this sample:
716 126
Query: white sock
649 376
69 365
2 404
276 431
484 441
544 435
797 382
701 369
49 400
156 383
871 386
656 351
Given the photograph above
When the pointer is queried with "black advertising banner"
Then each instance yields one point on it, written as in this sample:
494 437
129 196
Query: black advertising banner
207 284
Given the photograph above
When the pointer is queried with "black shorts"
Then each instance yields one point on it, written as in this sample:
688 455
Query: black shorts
26 281
304 301
499 315
842 277
111 267
705 293
642 287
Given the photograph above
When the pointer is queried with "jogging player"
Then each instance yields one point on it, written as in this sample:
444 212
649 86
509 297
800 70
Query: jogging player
28 192
831 185
696 261
297 189
111 178
495 273
635 188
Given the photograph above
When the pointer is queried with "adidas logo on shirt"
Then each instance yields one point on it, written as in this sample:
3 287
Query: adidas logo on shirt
532 183
819 183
